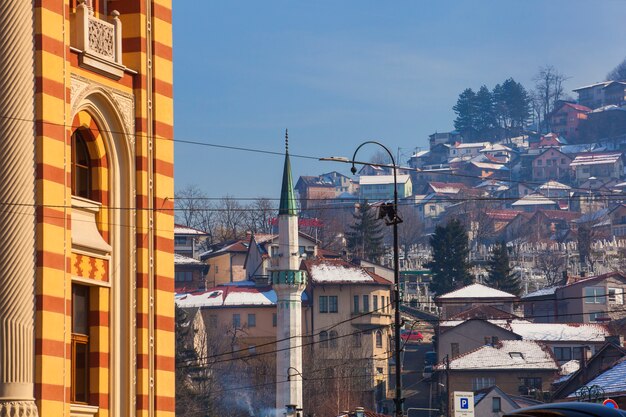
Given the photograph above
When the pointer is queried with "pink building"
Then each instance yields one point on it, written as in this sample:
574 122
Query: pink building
551 164
566 118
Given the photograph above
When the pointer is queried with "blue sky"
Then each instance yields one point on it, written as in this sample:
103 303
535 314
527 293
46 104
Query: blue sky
337 73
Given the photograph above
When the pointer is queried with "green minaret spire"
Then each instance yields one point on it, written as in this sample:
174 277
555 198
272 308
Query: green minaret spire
287 199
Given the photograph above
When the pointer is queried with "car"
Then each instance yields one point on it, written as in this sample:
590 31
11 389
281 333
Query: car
567 409
411 336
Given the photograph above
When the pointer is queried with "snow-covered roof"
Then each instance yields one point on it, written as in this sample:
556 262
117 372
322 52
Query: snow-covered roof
596 159
533 200
493 147
507 354
471 145
600 84
498 322
611 381
540 293
243 294
559 332
476 291
180 229
185 260
487 165
326 272
569 367
447 187
554 185
382 179
419 154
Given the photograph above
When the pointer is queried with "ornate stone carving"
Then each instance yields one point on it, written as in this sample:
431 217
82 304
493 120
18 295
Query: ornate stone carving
125 103
102 38
18 409
77 86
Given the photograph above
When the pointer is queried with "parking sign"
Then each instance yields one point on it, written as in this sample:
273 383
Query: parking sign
463 404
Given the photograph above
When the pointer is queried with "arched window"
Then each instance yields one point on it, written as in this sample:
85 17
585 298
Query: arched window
332 337
379 339
81 166
323 339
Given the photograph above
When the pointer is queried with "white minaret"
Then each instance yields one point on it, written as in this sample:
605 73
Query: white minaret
288 282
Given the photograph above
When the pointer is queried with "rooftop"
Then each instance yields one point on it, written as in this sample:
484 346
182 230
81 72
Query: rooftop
338 271
476 291
596 159
243 293
559 332
185 260
611 381
507 354
382 179
180 229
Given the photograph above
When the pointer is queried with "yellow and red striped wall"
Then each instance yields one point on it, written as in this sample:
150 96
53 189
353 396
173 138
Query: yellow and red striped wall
147 46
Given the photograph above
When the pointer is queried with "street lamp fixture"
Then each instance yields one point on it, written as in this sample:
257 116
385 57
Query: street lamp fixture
388 212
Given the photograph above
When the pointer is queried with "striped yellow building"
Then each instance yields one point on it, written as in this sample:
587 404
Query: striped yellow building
86 187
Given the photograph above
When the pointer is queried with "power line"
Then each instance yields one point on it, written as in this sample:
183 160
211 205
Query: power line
276 153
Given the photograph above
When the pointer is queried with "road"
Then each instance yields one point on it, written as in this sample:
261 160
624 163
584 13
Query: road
414 389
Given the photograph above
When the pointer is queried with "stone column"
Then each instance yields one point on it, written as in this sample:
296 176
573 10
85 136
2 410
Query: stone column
17 208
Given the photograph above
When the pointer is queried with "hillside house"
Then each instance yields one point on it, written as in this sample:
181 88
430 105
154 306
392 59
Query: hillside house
473 295
601 166
187 240
188 274
591 96
314 191
566 119
380 187
533 202
581 300
551 164
225 262
466 151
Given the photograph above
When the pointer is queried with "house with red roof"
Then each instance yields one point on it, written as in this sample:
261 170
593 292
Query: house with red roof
566 118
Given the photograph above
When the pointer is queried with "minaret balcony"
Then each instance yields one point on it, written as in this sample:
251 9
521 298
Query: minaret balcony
288 277
98 42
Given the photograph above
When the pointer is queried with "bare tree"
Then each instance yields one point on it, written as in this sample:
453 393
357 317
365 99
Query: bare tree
231 218
410 231
618 73
189 203
258 215
338 375
549 89
551 264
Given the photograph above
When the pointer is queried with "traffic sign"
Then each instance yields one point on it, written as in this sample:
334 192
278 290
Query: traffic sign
463 404
610 403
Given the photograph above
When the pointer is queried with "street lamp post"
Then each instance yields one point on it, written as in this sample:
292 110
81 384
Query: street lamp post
392 219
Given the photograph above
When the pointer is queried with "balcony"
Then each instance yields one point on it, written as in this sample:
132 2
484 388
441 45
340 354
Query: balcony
98 42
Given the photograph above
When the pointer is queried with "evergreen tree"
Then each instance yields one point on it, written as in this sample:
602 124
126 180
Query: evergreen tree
501 275
449 266
365 237
465 109
512 106
485 112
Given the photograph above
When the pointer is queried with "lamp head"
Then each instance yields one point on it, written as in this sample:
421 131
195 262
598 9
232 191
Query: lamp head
353 169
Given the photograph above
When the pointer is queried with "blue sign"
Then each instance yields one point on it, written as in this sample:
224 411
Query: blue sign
464 403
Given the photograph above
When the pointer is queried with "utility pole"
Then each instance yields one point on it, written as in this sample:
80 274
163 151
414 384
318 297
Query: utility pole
448 385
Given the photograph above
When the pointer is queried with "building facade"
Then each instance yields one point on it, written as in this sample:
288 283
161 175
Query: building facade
88 128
